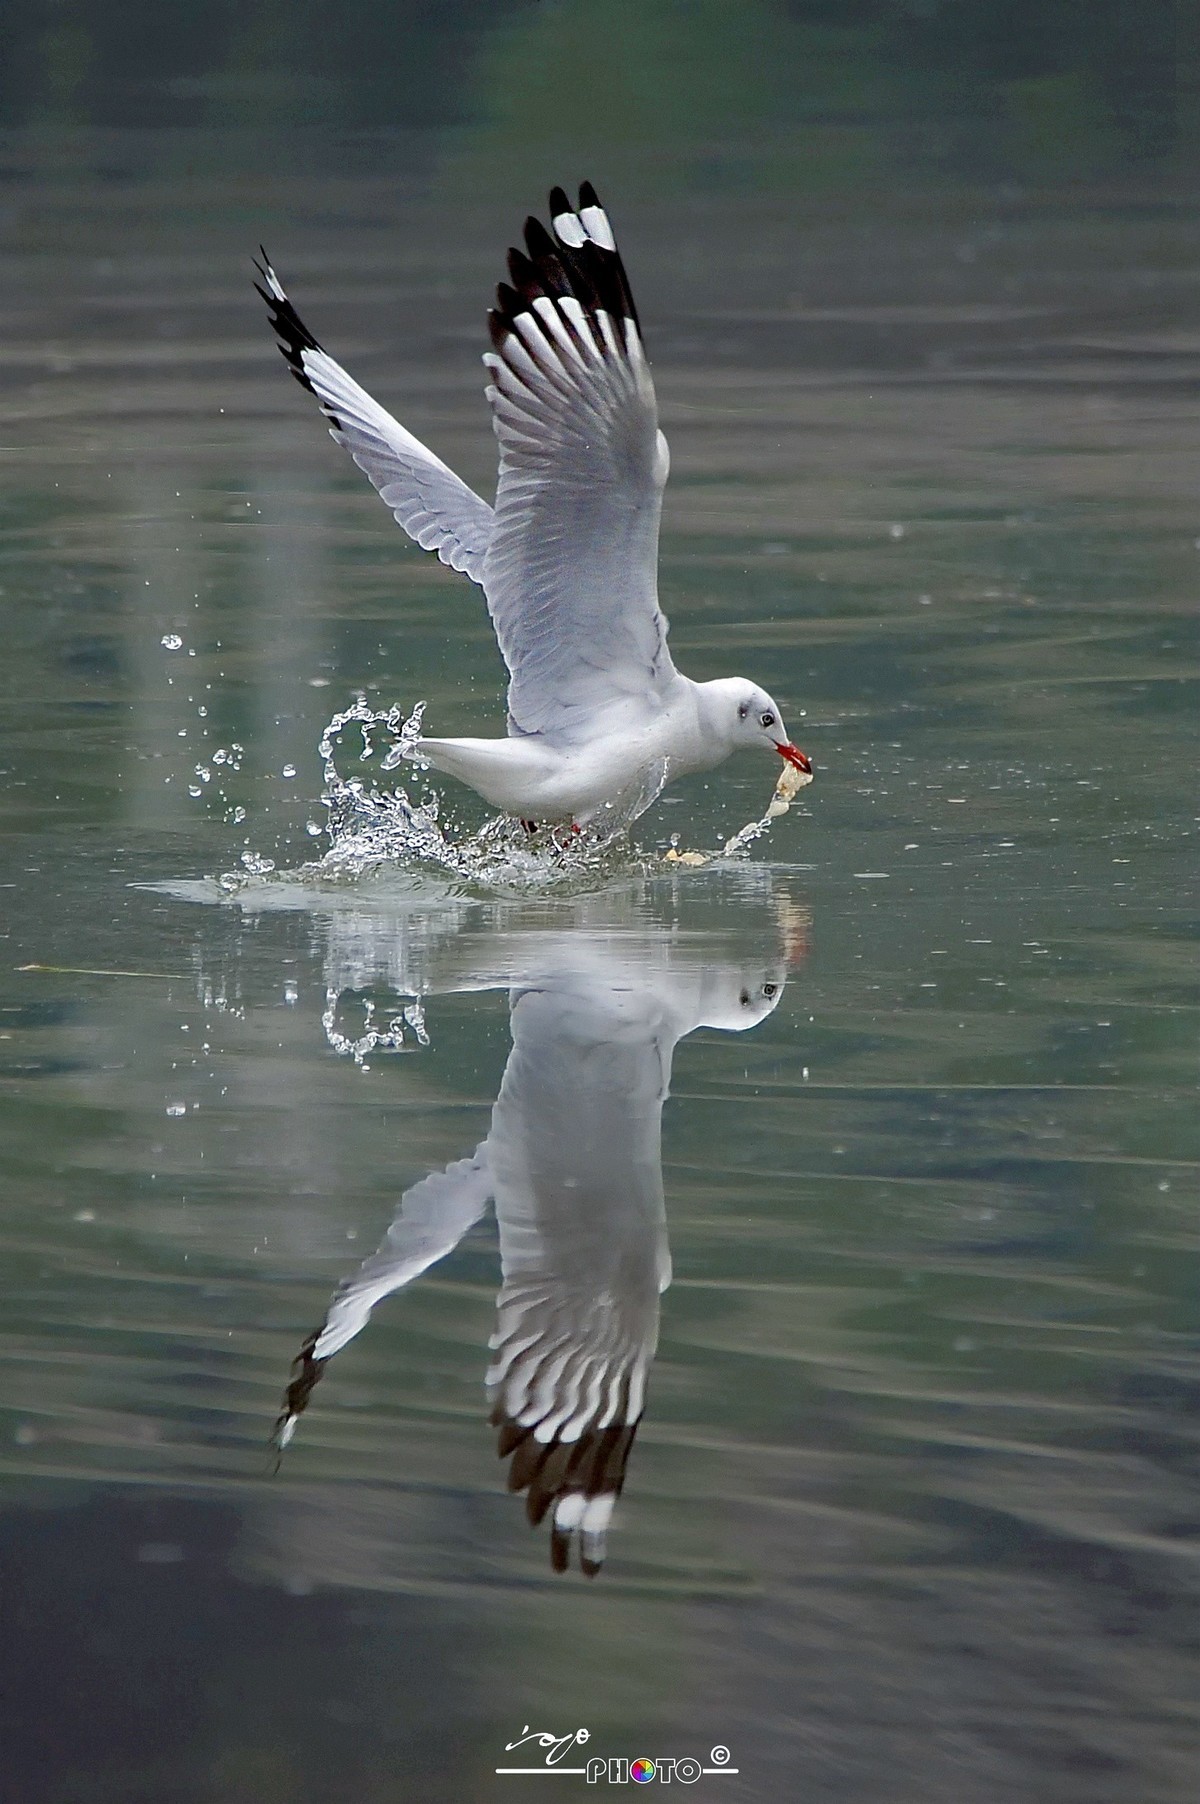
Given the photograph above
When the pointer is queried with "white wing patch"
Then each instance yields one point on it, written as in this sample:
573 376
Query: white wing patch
594 221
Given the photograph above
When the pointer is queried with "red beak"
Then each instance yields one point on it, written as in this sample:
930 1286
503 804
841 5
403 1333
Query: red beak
796 757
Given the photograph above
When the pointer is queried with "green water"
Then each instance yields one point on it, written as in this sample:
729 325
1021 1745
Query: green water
912 1512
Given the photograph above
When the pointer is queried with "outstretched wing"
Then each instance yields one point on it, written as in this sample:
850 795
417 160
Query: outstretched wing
576 1161
571 570
432 1218
430 502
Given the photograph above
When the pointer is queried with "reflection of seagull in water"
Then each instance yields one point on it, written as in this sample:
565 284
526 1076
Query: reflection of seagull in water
573 1162
568 558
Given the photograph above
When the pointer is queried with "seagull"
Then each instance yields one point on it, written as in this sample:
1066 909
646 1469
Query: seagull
573 1165
599 718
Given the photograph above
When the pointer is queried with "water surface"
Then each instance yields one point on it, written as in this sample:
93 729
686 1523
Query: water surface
912 1512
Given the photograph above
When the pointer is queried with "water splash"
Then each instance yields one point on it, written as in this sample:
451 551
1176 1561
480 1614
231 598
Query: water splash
790 783
400 1029
369 825
256 864
746 836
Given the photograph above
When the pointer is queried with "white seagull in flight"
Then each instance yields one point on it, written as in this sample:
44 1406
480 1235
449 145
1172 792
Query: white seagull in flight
598 715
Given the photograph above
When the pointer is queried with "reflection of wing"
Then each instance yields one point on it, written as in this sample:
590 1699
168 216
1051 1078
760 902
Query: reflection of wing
576 1161
573 1161
428 500
432 1218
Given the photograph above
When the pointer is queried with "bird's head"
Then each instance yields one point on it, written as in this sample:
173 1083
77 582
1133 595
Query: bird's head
751 717
733 1000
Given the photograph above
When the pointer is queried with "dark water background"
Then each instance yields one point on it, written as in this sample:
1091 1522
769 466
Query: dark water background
913 1514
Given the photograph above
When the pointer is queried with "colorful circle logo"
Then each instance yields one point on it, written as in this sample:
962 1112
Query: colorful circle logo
641 1771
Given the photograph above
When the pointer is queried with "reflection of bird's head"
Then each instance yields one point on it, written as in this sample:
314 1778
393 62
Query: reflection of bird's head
733 1000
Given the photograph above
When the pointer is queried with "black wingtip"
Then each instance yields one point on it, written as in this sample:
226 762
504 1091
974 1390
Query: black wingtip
498 328
538 241
523 273
590 272
306 1373
293 335
549 1473
508 302
537 1502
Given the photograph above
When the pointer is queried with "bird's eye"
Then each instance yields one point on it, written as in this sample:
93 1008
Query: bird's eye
769 990
743 710
767 719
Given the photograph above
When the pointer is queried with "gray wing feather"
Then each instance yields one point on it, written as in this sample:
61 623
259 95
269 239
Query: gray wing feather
428 500
576 1161
571 570
433 1217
